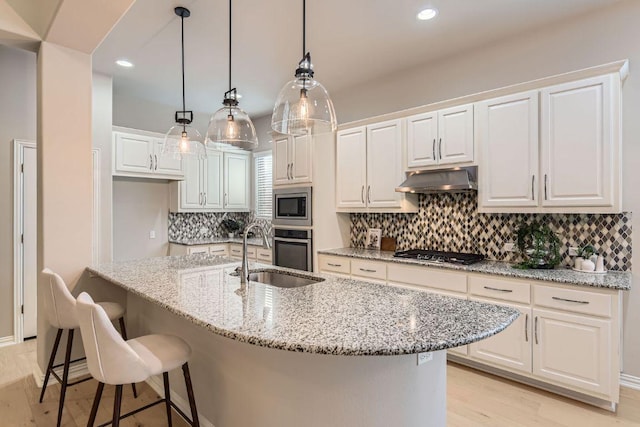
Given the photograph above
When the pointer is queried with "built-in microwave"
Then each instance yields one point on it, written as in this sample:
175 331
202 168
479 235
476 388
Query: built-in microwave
292 206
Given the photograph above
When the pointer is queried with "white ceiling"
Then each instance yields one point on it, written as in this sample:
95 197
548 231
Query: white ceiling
351 42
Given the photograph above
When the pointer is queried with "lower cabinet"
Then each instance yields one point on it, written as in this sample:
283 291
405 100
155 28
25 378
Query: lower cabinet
231 250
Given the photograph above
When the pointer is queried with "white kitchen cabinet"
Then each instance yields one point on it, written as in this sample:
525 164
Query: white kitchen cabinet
441 137
369 168
236 182
292 159
573 350
580 143
507 134
138 155
216 249
211 179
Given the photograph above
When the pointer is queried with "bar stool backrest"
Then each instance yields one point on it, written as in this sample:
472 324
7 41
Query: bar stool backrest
109 358
60 305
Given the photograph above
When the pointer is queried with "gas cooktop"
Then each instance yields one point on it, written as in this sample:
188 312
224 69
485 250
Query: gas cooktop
440 256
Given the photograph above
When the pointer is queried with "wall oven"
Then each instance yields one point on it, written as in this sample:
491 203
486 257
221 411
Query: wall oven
292 206
292 249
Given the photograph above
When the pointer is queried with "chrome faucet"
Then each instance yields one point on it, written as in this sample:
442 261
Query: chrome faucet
244 270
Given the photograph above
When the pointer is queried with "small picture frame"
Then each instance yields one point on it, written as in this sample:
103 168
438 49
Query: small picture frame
374 238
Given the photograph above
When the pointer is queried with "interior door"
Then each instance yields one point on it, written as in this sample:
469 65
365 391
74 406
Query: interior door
29 270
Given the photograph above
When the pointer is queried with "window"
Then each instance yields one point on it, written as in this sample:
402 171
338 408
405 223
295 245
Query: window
262 164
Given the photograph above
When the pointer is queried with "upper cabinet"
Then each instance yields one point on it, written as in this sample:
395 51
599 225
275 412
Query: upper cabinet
440 137
559 155
218 183
369 168
140 155
292 159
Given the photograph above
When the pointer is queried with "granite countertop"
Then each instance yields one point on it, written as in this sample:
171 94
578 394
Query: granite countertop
620 280
336 316
253 241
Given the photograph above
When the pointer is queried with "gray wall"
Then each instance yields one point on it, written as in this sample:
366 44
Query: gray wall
596 38
17 121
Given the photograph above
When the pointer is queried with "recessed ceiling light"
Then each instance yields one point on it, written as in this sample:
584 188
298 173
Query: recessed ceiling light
427 14
124 63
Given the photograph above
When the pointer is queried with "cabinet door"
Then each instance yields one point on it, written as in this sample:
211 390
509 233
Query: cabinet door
422 138
384 164
573 350
577 143
300 154
281 163
351 168
212 180
165 165
236 181
133 153
191 195
507 132
510 348
455 134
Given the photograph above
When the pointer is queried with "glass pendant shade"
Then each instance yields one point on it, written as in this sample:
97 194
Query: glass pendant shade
303 106
231 125
183 141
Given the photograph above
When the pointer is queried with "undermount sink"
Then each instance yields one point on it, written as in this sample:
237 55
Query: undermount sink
282 279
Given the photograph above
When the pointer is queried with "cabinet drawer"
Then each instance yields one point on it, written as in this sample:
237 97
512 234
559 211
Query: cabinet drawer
263 255
236 251
198 250
219 250
334 264
372 269
577 301
426 277
507 290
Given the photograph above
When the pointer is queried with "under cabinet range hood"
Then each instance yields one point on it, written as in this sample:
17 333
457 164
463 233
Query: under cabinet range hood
452 180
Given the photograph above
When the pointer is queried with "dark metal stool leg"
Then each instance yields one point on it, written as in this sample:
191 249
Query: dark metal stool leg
117 402
167 397
52 358
123 332
192 399
65 375
96 403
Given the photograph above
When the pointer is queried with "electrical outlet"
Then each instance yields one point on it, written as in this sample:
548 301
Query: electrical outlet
573 251
152 234
424 358
509 247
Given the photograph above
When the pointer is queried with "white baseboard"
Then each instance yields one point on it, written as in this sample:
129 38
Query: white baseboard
157 385
9 340
630 381
76 370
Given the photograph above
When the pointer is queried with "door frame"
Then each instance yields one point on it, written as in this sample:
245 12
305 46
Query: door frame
18 283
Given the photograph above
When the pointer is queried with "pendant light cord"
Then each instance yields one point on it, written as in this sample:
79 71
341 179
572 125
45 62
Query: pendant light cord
304 28
184 126
229 45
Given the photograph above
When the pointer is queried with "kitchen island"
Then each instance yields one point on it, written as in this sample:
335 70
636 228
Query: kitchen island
350 346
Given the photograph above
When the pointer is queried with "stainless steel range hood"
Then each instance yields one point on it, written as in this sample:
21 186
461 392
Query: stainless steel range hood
452 180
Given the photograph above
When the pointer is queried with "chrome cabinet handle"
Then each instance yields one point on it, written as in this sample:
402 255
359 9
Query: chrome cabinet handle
545 187
155 156
292 177
536 330
216 251
226 199
526 327
498 289
367 270
150 162
362 194
334 265
288 167
369 194
205 198
440 149
200 199
433 149
533 179
570 300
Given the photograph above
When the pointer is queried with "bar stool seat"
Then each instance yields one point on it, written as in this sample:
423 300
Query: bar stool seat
60 309
116 361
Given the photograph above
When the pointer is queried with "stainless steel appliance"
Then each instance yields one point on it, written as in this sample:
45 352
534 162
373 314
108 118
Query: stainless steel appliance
292 206
292 249
440 256
454 180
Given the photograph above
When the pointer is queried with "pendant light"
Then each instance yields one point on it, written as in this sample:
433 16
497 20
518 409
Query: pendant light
183 140
230 125
303 105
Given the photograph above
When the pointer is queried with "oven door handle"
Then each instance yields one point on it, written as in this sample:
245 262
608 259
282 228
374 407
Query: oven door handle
283 239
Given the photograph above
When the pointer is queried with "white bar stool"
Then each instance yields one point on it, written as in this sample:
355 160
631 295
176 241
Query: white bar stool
60 307
112 360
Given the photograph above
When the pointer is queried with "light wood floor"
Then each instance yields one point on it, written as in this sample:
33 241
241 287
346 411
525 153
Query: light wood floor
473 399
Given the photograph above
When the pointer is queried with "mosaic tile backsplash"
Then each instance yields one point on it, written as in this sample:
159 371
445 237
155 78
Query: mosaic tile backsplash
451 222
205 225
